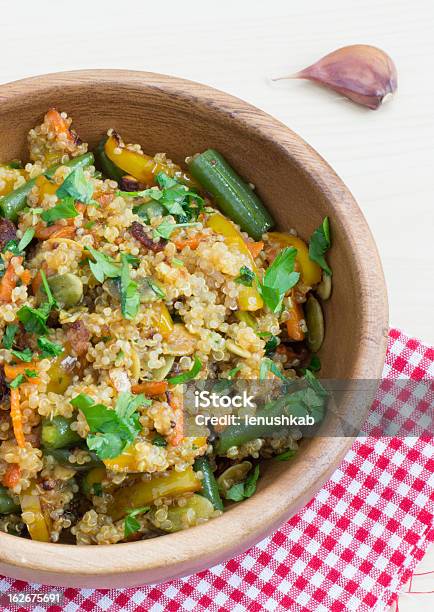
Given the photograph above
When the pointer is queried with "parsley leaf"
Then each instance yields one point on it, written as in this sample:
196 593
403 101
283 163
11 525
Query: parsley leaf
246 277
9 336
34 319
104 266
279 278
49 349
132 525
111 430
319 244
130 297
76 186
64 210
166 228
16 382
243 490
25 355
314 365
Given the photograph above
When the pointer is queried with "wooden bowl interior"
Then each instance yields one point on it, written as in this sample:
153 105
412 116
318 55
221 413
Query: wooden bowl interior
298 187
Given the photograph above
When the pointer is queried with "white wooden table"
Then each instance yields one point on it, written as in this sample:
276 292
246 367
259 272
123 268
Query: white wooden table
385 157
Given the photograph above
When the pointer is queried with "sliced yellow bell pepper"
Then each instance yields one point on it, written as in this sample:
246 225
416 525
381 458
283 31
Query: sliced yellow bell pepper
146 492
125 462
311 273
143 167
248 297
45 187
128 460
39 528
162 319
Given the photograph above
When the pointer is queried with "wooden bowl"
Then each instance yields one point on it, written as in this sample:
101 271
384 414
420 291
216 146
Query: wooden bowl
180 117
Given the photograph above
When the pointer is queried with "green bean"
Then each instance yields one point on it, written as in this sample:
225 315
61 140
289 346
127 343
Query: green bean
7 504
14 202
268 421
103 163
232 194
61 455
210 488
57 433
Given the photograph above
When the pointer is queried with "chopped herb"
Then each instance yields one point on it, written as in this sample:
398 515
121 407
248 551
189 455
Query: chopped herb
17 248
9 336
232 373
34 319
64 210
267 365
27 238
130 297
264 334
177 262
131 259
104 266
25 355
48 348
286 455
132 525
243 490
30 373
15 164
51 301
166 227
77 187
156 288
186 376
159 440
246 277
279 278
111 430
319 244
271 345
89 225
17 381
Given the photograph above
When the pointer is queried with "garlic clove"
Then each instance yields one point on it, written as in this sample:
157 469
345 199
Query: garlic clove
362 73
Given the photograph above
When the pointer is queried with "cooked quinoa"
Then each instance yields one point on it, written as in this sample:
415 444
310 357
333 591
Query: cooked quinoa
120 281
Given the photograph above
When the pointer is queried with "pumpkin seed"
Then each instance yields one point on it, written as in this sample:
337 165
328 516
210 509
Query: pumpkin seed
315 324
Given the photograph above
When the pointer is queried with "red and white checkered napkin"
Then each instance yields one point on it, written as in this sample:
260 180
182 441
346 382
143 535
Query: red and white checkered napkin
350 548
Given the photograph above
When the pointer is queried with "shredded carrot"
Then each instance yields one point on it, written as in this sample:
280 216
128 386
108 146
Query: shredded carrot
8 283
192 242
12 371
151 387
54 231
17 418
177 435
12 476
57 123
26 277
255 248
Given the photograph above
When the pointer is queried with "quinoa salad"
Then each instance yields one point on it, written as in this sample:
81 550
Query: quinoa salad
123 278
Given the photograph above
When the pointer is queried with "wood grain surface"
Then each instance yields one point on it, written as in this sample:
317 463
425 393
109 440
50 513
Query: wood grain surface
299 188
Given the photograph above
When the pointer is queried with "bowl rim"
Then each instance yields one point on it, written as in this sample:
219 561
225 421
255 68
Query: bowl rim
191 550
